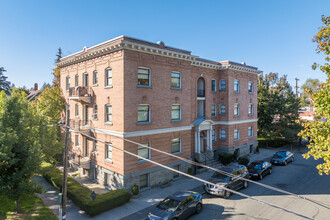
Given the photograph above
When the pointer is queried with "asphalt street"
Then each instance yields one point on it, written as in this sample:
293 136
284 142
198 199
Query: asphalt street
300 177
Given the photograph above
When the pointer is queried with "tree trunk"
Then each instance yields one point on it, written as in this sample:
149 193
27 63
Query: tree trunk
18 207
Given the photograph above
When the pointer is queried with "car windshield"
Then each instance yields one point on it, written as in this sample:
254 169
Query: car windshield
168 204
280 155
219 176
256 166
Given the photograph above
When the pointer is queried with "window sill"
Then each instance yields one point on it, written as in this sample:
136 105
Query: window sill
222 139
108 123
108 87
213 91
142 86
236 92
177 153
250 114
77 146
236 140
222 89
95 119
142 161
222 114
176 120
95 85
251 137
143 123
108 160
176 88
213 116
251 93
236 116
76 116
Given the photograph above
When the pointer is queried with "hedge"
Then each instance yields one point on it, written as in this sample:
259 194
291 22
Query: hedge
226 158
243 161
81 195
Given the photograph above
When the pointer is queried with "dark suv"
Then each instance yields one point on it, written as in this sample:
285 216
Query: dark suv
234 182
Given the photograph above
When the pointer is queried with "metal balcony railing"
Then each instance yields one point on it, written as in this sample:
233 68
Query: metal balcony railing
79 91
200 93
80 124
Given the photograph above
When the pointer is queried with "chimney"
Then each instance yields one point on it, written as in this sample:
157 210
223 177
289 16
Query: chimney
35 87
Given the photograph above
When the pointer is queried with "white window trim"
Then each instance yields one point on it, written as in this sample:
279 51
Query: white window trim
220 85
238 86
250 136
66 83
76 107
106 152
223 138
105 114
249 88
180 80
215 85
220 109
84 79
237 109
105 78
251 109
215 111
215 135
97 114
147 68
238 134
97 74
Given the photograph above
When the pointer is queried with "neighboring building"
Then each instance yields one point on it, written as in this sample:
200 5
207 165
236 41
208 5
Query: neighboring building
33 95
156 95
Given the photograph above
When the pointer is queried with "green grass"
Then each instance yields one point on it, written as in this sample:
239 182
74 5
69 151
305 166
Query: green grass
31 205
274 142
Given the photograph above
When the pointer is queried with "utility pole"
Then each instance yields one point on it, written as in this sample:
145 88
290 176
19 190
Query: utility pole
65 165
297 86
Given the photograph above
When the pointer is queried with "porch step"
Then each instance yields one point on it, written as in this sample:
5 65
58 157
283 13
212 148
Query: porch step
211 163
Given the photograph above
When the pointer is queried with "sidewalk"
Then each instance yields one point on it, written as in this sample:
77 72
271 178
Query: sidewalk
144 199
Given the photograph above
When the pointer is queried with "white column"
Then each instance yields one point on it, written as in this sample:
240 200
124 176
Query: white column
208 140
210 137
198 142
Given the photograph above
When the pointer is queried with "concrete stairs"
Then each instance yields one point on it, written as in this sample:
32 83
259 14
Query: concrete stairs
211 163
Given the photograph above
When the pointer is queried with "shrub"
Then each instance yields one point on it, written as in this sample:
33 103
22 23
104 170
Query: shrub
243 161
257 149
189 171
81 195
226 158
135 189
235 155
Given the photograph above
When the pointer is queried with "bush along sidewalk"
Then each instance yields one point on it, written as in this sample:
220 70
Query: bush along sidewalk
81 195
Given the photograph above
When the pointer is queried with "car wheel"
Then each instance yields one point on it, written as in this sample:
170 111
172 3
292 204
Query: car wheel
226 194
199 208
285 163
245 184
292 158
270 171
260 176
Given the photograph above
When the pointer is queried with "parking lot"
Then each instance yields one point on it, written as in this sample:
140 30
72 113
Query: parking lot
300 177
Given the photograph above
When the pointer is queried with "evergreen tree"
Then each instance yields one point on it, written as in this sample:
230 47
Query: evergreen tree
4 84
56 71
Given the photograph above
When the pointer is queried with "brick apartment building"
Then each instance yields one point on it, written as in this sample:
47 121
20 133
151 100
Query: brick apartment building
157 95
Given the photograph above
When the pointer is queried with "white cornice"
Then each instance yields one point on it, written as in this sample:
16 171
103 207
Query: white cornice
235 122
241 68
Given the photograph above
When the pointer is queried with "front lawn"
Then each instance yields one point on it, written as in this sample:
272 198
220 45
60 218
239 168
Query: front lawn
265 142
31 205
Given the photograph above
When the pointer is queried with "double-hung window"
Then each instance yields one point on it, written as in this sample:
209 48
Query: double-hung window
76 80
236 86
143 76
175 80
144 151
95 112
222 85
236 134
236 109
67 85
213 85
176 145
95 145
108 114
143 113
76 141
108 151
214 135
108 77
250 131
222 134
76 110
85 79
250 109
176 112
250 86
214 110
95 78
222 109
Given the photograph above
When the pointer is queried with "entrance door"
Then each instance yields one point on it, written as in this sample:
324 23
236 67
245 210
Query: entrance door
202 143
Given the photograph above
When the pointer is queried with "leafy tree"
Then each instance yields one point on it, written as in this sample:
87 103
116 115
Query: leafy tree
56 71
50 105
20 154
319 130
4 84
309 88
45 85
277 107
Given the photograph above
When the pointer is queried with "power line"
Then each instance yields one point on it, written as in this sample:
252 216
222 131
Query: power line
196 178
226 173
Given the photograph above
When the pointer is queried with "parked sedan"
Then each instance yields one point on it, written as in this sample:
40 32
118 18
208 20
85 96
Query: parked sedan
282 158
259 169
177 206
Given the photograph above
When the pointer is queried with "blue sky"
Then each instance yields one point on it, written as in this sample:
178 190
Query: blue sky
274 36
